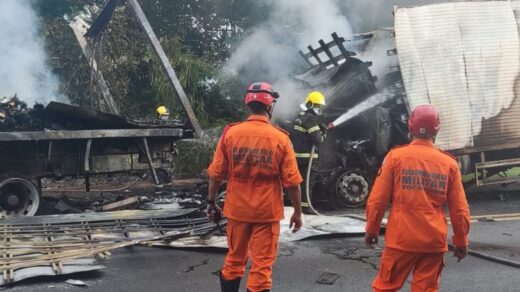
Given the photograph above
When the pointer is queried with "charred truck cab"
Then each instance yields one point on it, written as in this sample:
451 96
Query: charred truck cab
372 81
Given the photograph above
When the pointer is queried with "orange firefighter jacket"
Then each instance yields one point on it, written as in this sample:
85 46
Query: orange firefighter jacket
419 180
257 159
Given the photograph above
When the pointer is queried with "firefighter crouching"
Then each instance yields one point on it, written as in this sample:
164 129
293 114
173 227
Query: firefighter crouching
308 131
419 180
257 160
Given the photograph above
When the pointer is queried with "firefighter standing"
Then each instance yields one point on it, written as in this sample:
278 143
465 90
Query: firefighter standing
257 160
419 180
308 131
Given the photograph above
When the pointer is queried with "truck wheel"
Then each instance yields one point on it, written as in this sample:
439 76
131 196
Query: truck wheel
352 188
18 197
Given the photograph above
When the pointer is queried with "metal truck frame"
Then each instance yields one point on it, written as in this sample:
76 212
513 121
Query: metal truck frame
27 157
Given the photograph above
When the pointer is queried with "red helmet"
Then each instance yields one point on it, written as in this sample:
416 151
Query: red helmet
424 121
261 92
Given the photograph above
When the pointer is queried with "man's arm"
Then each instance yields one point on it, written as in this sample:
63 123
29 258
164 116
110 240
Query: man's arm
291 180
217 172
212 209
459 213
213 187
314 130
378 200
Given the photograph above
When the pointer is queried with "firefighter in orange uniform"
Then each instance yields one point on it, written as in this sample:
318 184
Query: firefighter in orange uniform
419 180
257 160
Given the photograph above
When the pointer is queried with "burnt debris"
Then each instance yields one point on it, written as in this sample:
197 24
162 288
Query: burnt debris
15 115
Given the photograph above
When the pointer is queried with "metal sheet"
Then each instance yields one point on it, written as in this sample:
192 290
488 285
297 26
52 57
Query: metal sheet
97 217
464 58
381 41
89 119
68 267
313 226
101 22
89 134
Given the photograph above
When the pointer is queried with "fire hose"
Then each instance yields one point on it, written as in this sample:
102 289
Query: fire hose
307 181
490 258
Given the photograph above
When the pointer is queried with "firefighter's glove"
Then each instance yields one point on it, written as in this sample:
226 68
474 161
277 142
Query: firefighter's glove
460 252
214 212
323 128
371 239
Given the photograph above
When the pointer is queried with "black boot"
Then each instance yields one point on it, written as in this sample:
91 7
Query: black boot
229 285
266 290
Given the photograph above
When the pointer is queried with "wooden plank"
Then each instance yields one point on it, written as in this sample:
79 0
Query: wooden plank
339 43
315 54
120 204
167 66
327 52
79 27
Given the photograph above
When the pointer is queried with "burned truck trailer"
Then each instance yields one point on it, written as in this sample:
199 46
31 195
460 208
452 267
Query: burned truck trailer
63 140
464 58
459 57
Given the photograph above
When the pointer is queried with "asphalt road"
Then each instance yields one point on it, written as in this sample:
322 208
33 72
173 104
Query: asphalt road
300 264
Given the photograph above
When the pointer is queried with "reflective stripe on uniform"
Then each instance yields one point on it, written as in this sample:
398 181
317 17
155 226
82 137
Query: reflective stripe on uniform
305 155
313 129
301 129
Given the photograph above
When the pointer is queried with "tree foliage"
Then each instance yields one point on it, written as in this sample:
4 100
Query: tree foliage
196 36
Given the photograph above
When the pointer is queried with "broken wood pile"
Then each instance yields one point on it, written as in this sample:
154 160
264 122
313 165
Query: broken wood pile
63 244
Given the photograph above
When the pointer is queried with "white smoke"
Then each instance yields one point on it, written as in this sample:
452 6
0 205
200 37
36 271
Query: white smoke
270 52
23 68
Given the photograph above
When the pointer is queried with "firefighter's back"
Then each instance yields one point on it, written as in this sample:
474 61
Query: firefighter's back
256 150
423 179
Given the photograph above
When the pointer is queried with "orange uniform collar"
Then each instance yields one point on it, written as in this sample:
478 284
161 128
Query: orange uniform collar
260 118
426 142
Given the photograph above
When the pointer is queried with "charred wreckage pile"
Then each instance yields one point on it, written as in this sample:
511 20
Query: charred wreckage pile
15 115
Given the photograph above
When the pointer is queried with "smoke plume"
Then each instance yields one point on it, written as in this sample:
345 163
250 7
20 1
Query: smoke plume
23 68
270 52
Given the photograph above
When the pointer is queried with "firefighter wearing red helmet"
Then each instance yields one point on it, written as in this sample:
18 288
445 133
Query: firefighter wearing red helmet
257 160
419 180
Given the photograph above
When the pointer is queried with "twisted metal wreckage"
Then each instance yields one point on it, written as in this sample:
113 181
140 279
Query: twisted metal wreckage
64 244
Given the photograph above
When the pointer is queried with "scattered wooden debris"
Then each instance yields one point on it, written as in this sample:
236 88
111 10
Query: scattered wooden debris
121 204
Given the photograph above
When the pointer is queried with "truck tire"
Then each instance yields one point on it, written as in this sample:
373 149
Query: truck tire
352 188
19 196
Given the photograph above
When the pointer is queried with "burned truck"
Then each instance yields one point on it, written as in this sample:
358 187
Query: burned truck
61 140
461 57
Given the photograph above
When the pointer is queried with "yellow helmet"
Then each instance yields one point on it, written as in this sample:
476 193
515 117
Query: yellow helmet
315 98
162 110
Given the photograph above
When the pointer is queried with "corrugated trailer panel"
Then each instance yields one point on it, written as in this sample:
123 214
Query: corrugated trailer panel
464 58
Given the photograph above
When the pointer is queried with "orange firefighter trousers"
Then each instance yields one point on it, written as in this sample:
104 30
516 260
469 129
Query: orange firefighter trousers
396 265
258 239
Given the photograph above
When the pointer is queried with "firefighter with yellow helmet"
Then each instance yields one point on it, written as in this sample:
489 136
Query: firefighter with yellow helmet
163 113
308 132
